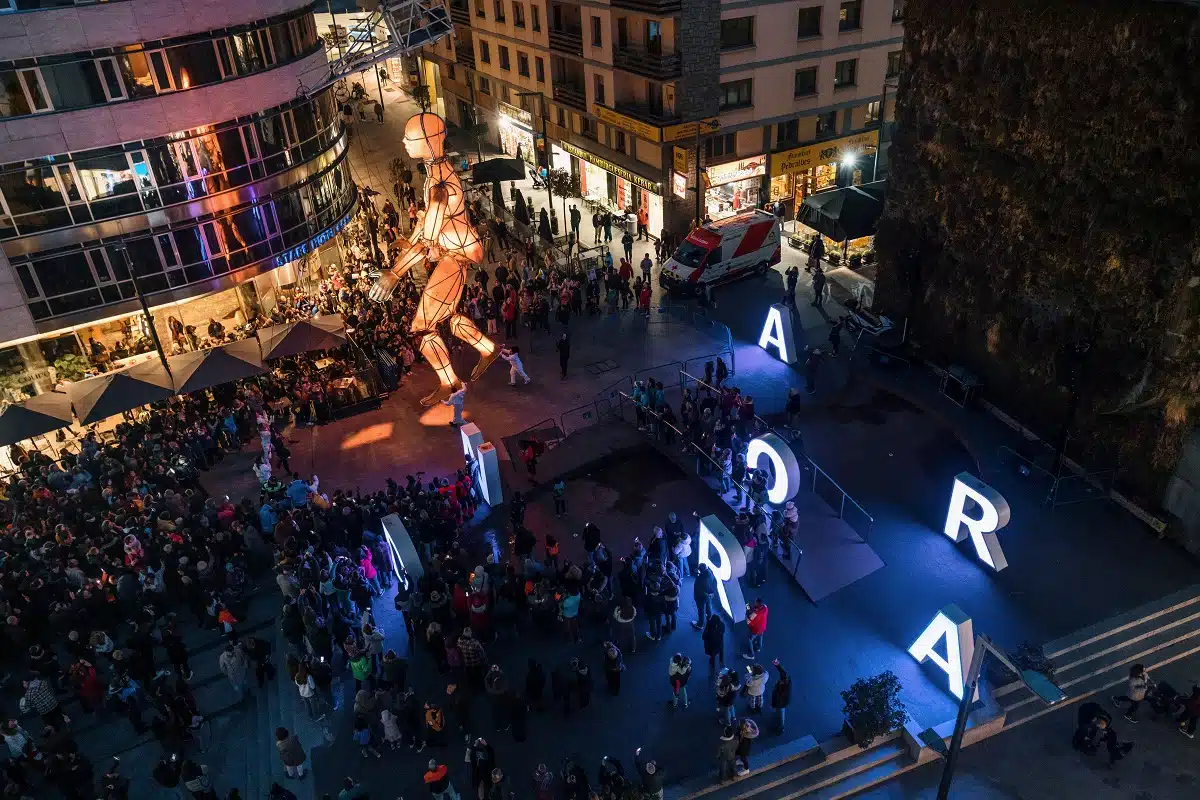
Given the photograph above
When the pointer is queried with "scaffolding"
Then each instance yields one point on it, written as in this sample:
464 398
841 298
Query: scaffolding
411 24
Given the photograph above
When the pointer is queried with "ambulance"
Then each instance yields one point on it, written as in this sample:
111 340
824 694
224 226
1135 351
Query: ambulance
745 244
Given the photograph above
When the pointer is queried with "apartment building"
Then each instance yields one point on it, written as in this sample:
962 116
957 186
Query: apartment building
159 152
643 101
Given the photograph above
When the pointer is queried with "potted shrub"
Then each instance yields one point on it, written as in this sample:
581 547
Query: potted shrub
1027 656
872 709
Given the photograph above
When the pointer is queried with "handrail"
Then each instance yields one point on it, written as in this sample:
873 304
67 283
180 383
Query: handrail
745 484
652 369
562 419
816 468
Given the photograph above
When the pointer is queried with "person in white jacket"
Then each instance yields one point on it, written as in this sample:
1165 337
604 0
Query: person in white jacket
515 368
456 401
756 685
1135 691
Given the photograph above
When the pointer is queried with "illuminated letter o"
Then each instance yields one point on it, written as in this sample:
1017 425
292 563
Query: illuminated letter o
786 467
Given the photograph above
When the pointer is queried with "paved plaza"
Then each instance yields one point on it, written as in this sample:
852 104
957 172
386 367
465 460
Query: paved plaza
883 433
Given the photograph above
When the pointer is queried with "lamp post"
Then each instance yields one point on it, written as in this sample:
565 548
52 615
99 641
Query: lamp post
1038 683
545 140
145 306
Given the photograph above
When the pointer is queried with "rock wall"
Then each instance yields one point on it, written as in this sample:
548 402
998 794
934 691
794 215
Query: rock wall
1044 198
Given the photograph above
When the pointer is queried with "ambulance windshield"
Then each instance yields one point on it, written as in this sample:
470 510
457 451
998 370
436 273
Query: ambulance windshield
690 255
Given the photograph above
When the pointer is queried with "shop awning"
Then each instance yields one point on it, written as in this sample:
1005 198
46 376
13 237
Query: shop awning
114 392
216 365
498 169
318 333
847 213
33 417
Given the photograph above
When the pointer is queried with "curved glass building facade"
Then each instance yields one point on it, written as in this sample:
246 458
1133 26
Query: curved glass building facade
173 155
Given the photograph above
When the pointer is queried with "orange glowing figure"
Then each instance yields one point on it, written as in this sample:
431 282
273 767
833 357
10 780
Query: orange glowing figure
444 233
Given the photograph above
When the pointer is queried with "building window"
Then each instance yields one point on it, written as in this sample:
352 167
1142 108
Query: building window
485 86
806 82
850 16
597 34
826 123
737 94
618 139
845 73
872 113
897 10
114 88
720 146
810 22
598 84
536 11
498 10
479 9
586 128
895 63
518 14
224 58
562 114
504 63
451 73
787 132
539 68
522 64
485 52
737 33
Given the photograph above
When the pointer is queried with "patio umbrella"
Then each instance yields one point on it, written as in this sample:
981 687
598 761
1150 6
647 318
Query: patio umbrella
497 196
216 365
37 415
318 333
520 209
108 395
498 169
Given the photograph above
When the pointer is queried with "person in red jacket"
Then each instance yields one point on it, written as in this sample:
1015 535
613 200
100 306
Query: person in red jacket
756 621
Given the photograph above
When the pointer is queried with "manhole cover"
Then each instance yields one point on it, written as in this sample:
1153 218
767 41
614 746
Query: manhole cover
601 367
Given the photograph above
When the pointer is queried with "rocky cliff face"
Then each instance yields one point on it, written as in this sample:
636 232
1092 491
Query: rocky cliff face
1044 199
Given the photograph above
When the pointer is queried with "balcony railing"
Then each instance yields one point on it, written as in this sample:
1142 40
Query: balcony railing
647 64
660 8
649 114
464 54
460 13
570 95
567 40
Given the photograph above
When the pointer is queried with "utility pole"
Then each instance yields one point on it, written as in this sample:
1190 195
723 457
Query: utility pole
145 306
699 185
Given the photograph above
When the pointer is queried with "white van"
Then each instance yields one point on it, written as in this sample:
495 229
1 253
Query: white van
745 244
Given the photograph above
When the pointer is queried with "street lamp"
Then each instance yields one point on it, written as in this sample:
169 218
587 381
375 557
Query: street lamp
120 246
1036 682
541 96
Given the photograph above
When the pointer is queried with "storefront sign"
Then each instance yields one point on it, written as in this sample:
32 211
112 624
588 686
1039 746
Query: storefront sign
643 130
812 155
518 115
991 515
484 463
620 172
26 377
720 174
777 333
784 465
301 250
955 627
680 157
679 184
721 552
687 130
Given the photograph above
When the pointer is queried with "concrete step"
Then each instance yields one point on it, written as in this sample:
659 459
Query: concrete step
1103 682
848 775
1146 635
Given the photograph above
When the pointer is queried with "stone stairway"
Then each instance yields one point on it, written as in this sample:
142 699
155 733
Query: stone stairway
1098 657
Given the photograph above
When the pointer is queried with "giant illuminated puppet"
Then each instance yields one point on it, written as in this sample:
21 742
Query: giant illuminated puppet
443 233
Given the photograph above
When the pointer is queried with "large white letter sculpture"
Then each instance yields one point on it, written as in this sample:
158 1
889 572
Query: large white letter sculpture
784 463
955 627
777 332
402 552
994 515
722 553
485 456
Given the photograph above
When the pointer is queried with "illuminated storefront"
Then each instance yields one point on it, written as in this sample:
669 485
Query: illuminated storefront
516 132
613 186
734 187
802 171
